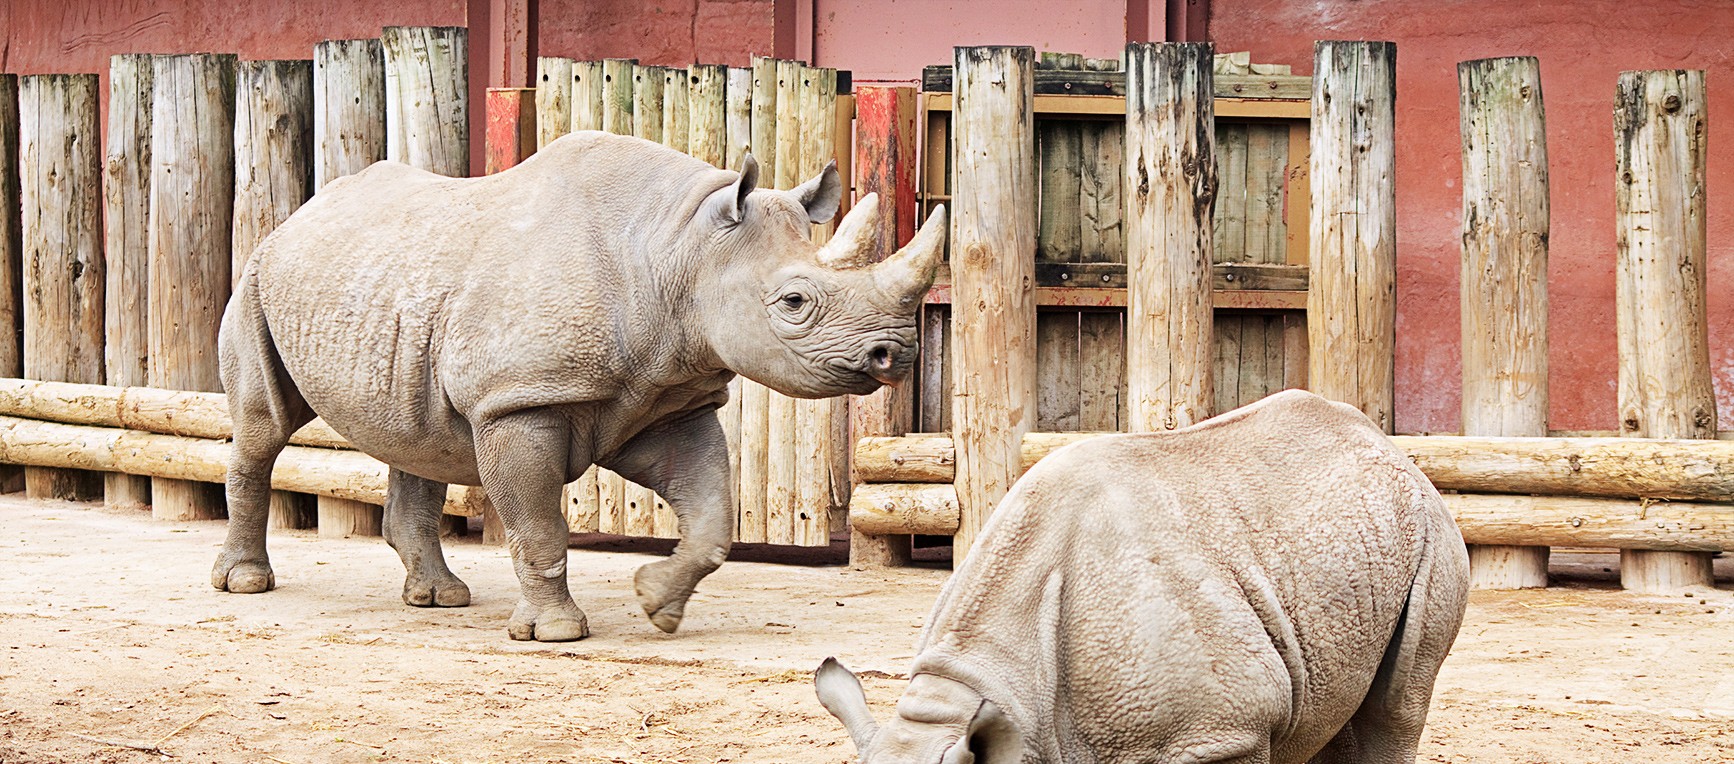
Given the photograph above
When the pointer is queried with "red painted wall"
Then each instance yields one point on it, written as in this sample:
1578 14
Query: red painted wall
1582 46
894 39
659 32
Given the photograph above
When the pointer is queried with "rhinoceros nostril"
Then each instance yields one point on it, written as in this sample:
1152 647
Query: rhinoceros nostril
881 357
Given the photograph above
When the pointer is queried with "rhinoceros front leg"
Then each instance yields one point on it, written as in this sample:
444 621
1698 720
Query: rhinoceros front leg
687 461
522 458
412 526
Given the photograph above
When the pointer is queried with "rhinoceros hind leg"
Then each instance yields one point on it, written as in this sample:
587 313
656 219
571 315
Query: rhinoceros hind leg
412 515
266 408
522 458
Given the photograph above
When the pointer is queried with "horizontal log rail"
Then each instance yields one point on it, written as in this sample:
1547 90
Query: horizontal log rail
931 509
168 412
1625 468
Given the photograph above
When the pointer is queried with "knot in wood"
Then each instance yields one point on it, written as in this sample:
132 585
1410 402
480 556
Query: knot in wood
1671 103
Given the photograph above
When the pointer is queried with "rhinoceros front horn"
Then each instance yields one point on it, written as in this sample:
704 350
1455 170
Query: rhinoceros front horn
855 241
910 272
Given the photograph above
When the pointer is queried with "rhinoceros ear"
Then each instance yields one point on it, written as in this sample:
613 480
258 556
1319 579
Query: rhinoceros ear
992 739
840 693
731 201
821 195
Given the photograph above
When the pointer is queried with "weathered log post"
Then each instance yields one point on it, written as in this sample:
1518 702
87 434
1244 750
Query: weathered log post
817 422
617 82
676 123
1171 177
885 158
781 411
587 93
348 108
553 99
754 486
191 210
11 257
126 185
1659 192
993 241
273 177
740 116
1352 300
427 122
707 113
647 82
1504 277
60 172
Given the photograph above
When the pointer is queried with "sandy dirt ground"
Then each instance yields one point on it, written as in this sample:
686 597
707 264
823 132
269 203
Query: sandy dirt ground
110 633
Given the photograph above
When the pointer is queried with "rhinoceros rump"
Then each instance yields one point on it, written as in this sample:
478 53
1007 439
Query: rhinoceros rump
588 306
1275 585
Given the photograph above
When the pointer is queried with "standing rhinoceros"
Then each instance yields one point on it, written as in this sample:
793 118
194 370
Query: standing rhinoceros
1278 584
588 306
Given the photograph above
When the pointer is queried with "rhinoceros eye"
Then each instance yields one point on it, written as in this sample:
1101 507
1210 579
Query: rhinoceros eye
793 301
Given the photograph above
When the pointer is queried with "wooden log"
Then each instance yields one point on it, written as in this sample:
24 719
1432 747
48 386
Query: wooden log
553 99
617 83
60 172
1504 277
707 113
740 115
191 211
755 485
580 503
886 162
587 94
126 184
11 256
343 518
993 278
675 120
172 412
1170 122
293 511
1665 390
816 433
611 502
1351 306
885 509
781 418
348 108
647 82
427 123
764 118
273 151
510 133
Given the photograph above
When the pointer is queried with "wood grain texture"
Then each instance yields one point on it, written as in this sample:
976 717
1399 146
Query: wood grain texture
11 233
1266 162
427 122
348 108
882 509
740 115
617 97
676 122
273 151
816 443
1351 306
707 113
344 518
755 484
587 94
1101 229
554 88
1101 370
782 473
1504 276
647 89
1665 389
579 501
993 273
1169 123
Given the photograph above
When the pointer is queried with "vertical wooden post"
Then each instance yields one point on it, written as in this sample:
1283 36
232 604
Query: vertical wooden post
342 518
1352 299
427 122
885 161
676 123
815 441
553 99
191 210
781 419
273 177
755 484
587 94
348 108
740 116
1504 278
126 207
617 82
511 127
993 241
1665 390
60 172
1171 186
647 84
707 114
11 257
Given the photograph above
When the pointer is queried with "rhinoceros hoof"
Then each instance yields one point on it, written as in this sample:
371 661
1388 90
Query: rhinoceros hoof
244 577
447 592
550 625
664 607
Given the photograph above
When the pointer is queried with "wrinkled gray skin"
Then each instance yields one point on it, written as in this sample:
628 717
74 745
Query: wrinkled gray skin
588 306
1275 585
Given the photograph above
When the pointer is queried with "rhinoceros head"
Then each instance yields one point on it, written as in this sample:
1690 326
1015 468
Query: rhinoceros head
939 721
807 320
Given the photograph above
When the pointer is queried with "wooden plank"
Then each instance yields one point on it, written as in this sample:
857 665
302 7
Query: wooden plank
707 106
1229 224
273 151
12 241
816 445
1168 235
1234 276
755 462
618 78
60 174
740 115
1101 370
1297 209
1254 370
676 123
764 121
782 420
588 91
1351 307
788 119
647 89
610 502
1665 384
510 134
1102 236
938 79
1115 106
1266 164
640 510
1294 350
579 500
1059 380
994 319
1059 238
126 255
1227 361
553 99
348 108
427 85
1504 277
933 372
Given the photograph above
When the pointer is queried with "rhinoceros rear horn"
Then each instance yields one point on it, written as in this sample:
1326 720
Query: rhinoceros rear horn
731 201
910 272
856 240
821 195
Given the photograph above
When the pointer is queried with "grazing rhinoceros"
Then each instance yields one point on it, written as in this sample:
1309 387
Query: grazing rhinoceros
588 306
1278 584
